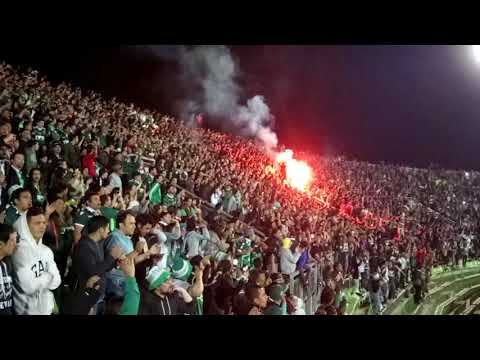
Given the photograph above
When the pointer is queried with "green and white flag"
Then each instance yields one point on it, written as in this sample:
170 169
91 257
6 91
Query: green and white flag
155 194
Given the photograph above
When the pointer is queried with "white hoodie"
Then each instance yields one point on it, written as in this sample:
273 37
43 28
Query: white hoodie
35 274
288 261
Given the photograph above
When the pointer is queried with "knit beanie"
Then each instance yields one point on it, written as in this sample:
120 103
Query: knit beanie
156 277
181 269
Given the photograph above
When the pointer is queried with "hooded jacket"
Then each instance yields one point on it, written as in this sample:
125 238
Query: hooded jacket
288 261
35 274
172 304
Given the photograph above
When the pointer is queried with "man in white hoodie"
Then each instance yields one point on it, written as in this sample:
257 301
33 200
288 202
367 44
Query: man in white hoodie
289 258
35 272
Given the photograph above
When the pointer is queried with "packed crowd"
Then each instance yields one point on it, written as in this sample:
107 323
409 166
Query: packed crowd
106 208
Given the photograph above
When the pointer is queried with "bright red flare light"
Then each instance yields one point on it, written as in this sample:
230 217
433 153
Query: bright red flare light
297 173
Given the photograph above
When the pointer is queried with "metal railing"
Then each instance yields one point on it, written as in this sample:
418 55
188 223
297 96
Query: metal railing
311 293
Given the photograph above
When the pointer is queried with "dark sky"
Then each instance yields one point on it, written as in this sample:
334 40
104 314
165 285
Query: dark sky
403 104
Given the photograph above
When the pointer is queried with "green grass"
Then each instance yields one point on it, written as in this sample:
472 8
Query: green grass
404 306
438 294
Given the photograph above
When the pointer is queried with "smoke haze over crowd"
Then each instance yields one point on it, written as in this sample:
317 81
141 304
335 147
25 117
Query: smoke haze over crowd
402 104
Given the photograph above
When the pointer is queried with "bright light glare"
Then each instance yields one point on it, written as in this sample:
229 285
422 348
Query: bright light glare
298 173
476 52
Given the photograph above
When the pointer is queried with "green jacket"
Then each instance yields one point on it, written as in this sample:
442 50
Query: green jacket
169 200
39 135
131 301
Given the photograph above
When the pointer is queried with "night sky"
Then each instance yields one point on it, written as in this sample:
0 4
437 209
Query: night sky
403 104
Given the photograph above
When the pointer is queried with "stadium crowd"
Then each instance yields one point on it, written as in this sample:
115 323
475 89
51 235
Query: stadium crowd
106 208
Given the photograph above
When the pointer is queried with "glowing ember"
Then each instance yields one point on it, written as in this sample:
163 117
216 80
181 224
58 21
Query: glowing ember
199 119
269 170
297 173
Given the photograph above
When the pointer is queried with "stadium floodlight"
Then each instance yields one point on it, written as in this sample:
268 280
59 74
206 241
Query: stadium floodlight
476 52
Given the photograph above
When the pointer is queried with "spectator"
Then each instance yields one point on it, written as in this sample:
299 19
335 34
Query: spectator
88 161
277 304
109 210
8 244
91 209
22 199
35 271
258 300
168 235
327 297
217 247
289 259
376 293
78 185
31 150
90 259
170 199
189 276
15 175
3 190
121 237
39 132
36 187
195 242
59 235
70 152
163 297
144 225
115 176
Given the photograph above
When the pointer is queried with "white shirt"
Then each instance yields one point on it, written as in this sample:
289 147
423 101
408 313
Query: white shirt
215 198
115 181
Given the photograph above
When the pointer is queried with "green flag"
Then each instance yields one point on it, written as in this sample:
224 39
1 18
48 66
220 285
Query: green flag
155 194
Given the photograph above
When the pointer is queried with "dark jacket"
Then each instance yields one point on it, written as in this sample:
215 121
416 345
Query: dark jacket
12 178
89 259
6 292
4 197
225 292
151 304
72 156
81 302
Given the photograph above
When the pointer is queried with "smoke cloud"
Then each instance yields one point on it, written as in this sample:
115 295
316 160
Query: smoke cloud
211 73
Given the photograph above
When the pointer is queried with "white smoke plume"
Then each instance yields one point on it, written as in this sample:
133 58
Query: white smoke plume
213 72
